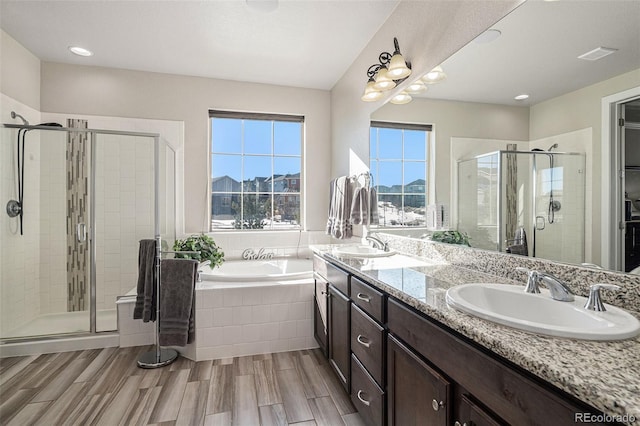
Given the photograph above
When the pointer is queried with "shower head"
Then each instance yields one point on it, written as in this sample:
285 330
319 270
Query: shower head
555 145
24 120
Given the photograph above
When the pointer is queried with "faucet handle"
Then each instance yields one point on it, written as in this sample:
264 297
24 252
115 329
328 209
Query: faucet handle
532 280
594 302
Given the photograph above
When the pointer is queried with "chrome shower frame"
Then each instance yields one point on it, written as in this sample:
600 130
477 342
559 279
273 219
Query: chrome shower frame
92 133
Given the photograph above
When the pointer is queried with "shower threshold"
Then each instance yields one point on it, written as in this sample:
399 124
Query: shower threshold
62 324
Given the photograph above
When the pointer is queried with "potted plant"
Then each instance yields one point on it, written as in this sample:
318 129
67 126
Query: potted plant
451 237
204 246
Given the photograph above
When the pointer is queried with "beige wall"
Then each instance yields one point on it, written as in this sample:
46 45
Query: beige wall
459 120
19 72
579 110
122 93
428 32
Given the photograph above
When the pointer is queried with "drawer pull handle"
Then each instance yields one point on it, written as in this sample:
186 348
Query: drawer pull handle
364 297
437 405
364 401
363 341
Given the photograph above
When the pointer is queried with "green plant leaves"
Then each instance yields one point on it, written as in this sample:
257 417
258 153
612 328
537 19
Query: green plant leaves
205 247
451 237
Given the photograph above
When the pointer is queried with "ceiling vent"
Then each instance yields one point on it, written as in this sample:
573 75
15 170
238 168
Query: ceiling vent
597 53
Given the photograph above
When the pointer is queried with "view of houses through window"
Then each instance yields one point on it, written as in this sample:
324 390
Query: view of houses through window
398 163
256 168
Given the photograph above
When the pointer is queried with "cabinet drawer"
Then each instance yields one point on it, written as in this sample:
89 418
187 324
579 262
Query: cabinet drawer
369 299
367 397
367 343
338 278
513 396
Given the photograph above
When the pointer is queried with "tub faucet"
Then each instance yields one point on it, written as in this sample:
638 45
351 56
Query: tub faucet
377 242
558 289
201 265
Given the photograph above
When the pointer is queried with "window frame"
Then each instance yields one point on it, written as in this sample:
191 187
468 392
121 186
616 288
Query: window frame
253 116
429 161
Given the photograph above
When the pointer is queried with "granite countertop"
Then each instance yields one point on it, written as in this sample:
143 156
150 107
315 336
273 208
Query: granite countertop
606 375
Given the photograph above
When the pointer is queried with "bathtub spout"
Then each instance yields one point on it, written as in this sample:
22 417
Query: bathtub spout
201 265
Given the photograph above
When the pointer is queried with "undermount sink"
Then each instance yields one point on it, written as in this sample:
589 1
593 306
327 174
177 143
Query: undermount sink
361 251
539 313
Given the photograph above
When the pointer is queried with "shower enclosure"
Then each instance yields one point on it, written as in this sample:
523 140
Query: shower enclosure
86 198
524 202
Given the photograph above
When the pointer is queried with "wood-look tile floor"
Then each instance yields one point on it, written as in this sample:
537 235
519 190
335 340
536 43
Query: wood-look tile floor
105 387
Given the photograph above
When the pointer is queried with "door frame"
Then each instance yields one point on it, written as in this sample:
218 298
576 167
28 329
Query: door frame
611 184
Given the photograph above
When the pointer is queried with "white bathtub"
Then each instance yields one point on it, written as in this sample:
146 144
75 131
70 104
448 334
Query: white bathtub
258 271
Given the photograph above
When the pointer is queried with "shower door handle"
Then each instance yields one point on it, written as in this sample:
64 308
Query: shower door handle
540 223
81 232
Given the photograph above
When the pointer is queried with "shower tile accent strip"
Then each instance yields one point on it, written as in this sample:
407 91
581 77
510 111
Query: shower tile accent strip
511 192
77 196
578 278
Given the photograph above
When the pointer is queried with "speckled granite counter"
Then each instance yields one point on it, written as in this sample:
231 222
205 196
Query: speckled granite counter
605 375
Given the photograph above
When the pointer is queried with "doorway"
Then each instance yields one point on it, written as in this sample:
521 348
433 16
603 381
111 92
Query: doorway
630 150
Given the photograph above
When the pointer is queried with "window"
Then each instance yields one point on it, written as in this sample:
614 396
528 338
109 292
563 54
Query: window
256 169
399 166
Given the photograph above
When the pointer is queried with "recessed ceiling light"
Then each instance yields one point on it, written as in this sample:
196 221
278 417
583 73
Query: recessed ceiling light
521 97
487 36
597 53
80 51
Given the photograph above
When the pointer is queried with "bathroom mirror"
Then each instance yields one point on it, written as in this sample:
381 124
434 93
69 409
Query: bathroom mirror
566 56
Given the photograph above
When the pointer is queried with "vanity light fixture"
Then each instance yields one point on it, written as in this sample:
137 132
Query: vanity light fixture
80 51
521 97
416 87
401 98
386 74
436 75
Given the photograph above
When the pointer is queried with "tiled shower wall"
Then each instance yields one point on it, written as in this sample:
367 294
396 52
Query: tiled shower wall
19 254
124 212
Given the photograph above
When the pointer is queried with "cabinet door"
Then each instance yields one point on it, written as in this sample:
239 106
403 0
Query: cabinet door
319 326
339 335
417 394
472 414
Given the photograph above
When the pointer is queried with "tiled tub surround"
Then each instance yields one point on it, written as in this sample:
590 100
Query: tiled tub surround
237 319
605 375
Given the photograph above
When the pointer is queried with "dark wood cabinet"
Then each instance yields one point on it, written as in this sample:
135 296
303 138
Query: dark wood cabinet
339 335
416 393
402 367
320 322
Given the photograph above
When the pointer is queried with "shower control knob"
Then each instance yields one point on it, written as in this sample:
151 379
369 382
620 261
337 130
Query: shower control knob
13 208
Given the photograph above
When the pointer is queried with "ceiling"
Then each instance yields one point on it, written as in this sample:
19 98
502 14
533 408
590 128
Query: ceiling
538 49
303 43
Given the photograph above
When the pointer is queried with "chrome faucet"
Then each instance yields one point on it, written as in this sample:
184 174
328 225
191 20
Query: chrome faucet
201 265
377 242
558 289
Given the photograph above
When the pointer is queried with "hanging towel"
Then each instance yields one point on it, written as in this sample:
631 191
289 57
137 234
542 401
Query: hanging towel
374 219
145 308
360 207
177 307
339 221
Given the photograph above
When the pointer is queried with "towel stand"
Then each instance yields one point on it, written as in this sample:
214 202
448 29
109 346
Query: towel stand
160 356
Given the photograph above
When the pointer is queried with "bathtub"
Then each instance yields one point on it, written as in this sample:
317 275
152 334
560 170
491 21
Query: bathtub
245 307
257 271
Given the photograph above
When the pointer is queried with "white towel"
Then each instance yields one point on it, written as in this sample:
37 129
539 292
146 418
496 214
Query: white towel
339 221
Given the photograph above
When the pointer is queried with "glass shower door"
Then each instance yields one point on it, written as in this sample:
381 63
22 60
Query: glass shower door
44 268
559 207
124 214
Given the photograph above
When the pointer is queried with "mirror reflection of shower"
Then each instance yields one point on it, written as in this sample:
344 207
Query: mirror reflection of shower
554 205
